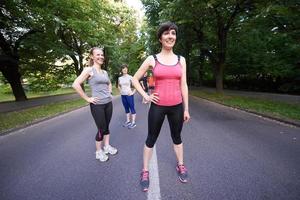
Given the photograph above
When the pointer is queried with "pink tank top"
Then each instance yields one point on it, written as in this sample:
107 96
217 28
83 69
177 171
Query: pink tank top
167 83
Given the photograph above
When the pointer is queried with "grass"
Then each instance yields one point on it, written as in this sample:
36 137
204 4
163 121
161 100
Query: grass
19 118
276 109
10 97
270 108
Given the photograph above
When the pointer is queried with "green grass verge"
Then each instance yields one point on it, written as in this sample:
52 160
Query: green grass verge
19 118
267 107
30 95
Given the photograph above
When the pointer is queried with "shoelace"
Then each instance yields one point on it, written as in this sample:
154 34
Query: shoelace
182 169
145 175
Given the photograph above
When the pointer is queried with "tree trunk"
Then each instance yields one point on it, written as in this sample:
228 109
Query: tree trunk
106 60
12 75
81 69
219 70
78 66
221 54
200 68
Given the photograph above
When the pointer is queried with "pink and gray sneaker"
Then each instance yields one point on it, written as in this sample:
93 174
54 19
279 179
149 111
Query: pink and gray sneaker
182 173
144 180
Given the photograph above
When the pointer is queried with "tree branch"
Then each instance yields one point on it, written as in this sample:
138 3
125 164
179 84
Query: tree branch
232 16
18 42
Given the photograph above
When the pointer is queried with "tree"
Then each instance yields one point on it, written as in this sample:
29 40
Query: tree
17 23
36 35
265 50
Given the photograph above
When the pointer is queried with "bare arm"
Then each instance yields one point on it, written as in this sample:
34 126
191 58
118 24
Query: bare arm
110 87
119 87
184 90
80 80
133 88
148 63
133 91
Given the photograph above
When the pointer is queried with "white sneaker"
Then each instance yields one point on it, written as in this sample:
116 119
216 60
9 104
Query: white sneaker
100 155
110 150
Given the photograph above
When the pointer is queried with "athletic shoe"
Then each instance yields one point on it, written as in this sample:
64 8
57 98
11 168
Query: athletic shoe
144 180
110 150
132 125
126 124
182 173
100 155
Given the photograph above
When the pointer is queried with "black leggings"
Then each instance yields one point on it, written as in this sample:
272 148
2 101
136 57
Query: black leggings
102 115
156 118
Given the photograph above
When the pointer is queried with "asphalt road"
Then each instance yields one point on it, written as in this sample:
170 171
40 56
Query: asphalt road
230 155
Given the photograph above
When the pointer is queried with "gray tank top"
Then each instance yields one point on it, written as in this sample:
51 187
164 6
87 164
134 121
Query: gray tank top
99 85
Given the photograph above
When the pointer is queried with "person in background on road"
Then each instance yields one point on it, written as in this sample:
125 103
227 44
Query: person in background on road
144 84
170 98
151 82
100 101
127 95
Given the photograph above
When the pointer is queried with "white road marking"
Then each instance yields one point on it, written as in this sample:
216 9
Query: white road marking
154 189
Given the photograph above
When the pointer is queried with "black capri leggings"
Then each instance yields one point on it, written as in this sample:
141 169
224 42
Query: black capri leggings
156 118
102 115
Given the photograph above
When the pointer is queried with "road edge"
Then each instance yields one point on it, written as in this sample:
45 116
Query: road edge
9 131
280 120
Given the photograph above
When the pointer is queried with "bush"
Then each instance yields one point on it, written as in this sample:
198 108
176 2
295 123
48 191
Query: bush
5 89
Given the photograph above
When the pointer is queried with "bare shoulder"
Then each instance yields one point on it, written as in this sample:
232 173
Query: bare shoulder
150 61
182 61
87 70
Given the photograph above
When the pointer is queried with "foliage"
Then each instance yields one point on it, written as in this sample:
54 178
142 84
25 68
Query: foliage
243 41
66 30
257 41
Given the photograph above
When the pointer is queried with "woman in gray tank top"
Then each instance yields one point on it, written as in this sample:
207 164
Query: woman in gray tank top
100 101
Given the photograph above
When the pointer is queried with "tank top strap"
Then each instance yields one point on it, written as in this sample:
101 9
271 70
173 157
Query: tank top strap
91 72
156 61
155 57
178 56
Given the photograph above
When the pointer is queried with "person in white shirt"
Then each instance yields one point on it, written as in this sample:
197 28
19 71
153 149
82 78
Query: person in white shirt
127 95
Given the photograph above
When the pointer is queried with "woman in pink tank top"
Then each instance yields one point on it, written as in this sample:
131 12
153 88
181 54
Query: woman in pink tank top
170 98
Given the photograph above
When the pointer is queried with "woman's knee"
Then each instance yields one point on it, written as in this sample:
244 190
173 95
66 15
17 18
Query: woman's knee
105 132
150 142
176 140
99 136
